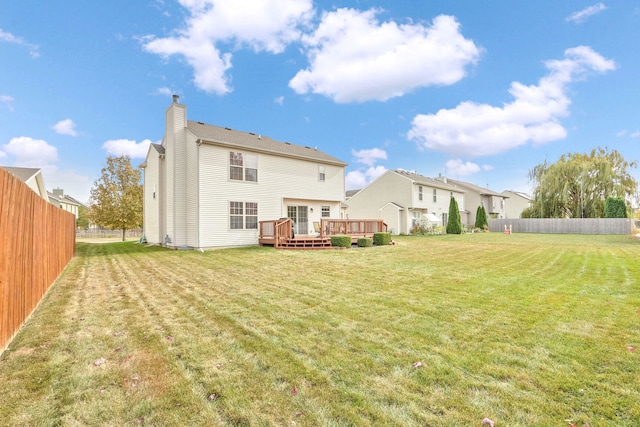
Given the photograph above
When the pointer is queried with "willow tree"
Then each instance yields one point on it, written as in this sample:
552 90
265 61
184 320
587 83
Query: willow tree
116 197
577 185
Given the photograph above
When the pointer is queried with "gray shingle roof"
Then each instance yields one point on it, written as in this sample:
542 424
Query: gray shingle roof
431 182
254 142
23 174
159 148
473 187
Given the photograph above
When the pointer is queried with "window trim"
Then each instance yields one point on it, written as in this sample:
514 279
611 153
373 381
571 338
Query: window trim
240 213
322 173
240 165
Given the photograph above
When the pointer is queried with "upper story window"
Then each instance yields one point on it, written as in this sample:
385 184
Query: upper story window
243 166
326 211
420 192
435 196
321 173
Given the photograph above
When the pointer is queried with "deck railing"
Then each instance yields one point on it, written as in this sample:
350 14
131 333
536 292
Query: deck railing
331 227
275 231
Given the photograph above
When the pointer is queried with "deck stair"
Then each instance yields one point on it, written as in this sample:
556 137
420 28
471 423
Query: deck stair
306 243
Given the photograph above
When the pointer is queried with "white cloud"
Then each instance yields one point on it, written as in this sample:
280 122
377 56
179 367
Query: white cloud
472 129
133 149
582 15
29 152
355 58
65 127
369 157
279 100
459 168
8 101
621 133
10 38
261 25
636 134
164 91
359 178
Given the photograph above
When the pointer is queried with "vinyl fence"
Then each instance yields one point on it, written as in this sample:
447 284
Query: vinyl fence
37 240
565 225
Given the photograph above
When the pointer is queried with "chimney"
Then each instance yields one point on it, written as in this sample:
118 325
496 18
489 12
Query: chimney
176 98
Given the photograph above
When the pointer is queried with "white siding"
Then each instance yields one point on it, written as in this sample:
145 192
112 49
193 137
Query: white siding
151 213
191 192
279 179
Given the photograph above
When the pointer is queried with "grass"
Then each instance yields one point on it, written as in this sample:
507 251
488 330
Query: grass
522 329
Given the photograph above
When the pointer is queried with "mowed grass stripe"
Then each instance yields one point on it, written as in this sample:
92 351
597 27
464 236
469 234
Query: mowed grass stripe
525 329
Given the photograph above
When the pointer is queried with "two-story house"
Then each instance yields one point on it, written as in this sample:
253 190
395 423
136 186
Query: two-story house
64 201
494 203
207 186
400 198
516 204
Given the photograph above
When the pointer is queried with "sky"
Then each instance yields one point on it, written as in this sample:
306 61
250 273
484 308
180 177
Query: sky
476 90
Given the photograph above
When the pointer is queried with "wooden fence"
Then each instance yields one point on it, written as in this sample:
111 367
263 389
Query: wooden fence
37 240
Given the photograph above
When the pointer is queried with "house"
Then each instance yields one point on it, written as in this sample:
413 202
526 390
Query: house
207 186
32 177
517 203
401 198
494 203
64 201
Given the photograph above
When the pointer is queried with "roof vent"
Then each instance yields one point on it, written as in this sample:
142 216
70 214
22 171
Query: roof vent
176 98
228 128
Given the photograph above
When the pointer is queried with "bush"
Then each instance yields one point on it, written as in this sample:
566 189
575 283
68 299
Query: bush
340 240
454 225
381 238
365 242
614 207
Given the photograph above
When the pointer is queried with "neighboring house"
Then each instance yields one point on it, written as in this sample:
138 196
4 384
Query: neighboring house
64 201
494 203
32 177
517 203
402 198
207 186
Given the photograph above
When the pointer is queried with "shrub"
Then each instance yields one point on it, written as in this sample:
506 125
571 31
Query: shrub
341 241
365 242
614 207
381 238
454 225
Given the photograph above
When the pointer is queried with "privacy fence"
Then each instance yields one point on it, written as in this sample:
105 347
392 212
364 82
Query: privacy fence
565 225
37 240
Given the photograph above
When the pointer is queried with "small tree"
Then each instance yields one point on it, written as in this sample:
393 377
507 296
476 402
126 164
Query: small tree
614 207
481 218
83 220
116 198
454 225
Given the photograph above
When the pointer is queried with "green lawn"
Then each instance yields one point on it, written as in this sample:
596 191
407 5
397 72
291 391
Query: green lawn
522 329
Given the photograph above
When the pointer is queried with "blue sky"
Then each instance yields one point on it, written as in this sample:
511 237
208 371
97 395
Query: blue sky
480 91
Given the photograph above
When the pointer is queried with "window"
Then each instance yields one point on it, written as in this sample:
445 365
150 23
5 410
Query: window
326 211
243 167
236 217
435 197
321 173
243 215
420 192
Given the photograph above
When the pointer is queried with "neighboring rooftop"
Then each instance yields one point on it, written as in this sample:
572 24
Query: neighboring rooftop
23 174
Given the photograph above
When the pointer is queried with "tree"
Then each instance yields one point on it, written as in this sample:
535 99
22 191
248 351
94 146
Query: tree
454 224
614 207
116 198
83 220
577 185
481 218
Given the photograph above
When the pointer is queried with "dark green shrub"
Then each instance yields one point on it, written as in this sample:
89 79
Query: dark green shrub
454 225
341 241
614 207
365 242
381 238
481 218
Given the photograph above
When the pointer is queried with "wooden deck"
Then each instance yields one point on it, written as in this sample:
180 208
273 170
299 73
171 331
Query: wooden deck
279 233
